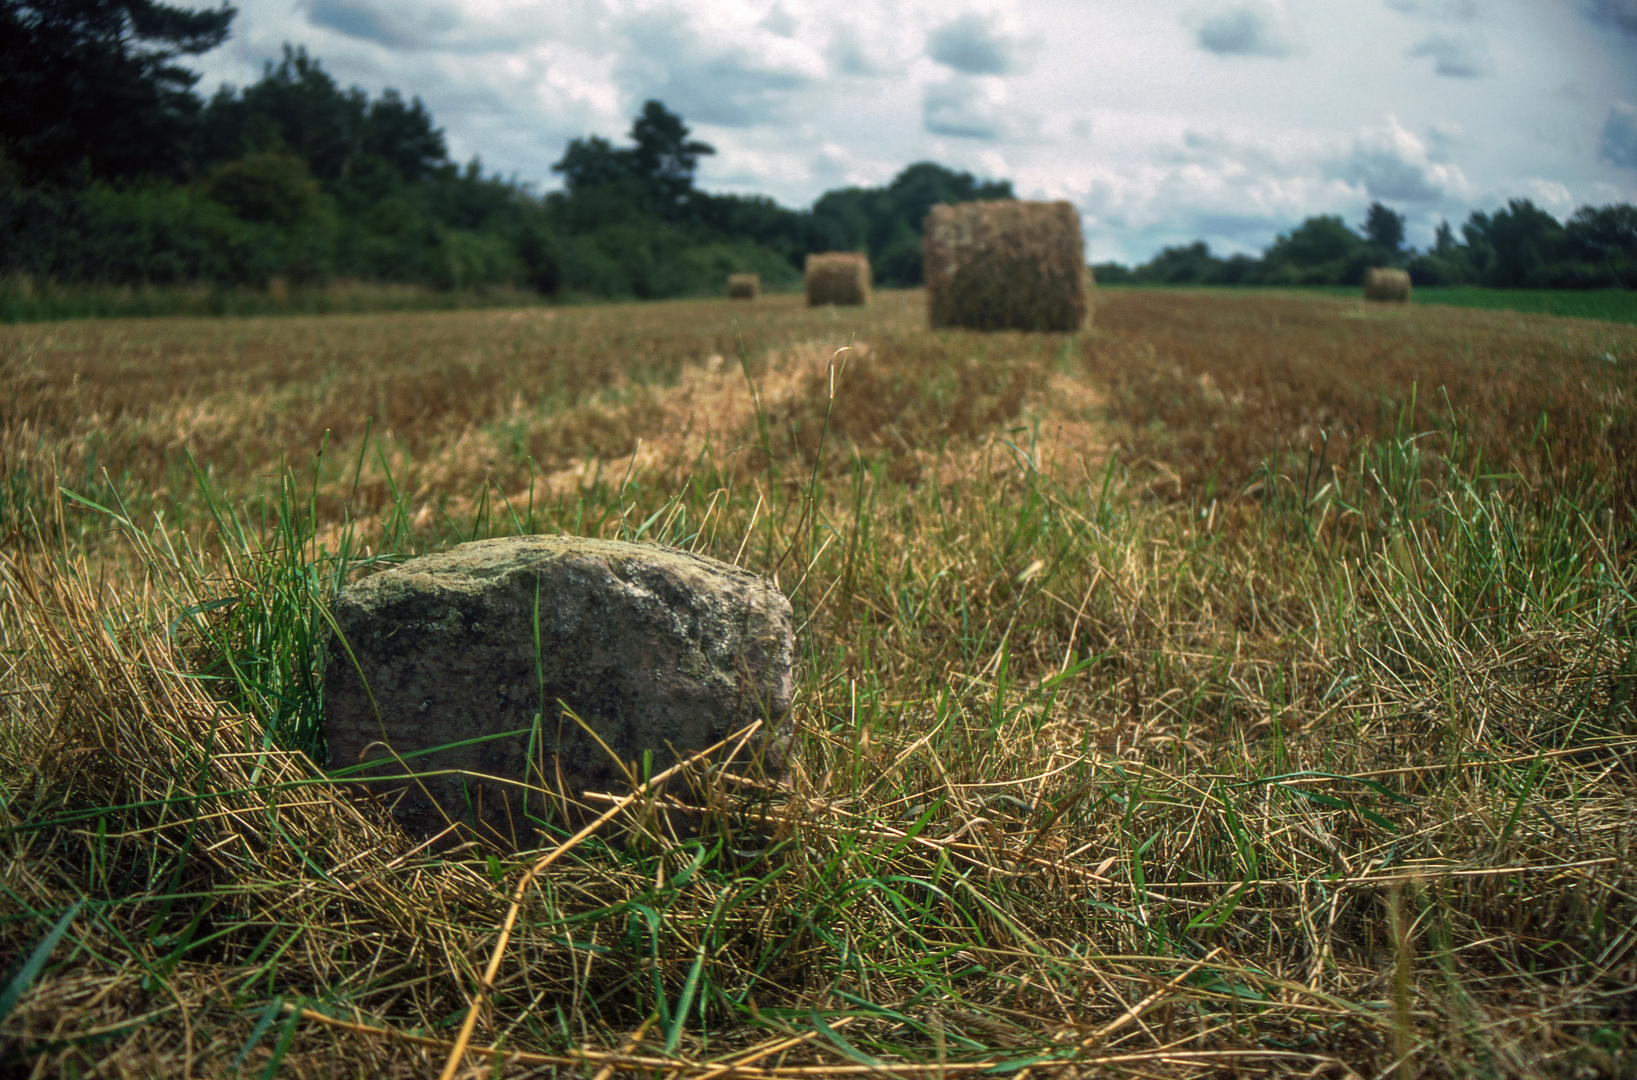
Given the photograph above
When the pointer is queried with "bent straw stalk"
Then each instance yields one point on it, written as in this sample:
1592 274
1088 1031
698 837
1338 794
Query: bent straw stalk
486 986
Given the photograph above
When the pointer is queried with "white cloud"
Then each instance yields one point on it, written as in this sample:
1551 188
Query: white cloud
779 21
1618 143
1234 188
1441 140
968 108
1392 164
1238 189
409 26
1621 14
1459 56
1131 214
1438 10
857 48
974 44
1550 195
443 26
835 165
722 71
1458 46
1260 28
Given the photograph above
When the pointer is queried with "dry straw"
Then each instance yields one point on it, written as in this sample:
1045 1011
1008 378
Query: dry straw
1006 265
744 286
838 277
1387 286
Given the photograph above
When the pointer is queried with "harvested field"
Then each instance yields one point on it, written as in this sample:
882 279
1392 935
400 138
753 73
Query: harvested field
1244 686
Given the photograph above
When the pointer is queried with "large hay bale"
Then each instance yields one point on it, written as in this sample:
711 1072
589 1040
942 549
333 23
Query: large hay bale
1006 265
1387 286
744 286
838 277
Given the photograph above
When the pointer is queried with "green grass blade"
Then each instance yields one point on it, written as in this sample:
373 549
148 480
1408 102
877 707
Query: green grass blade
684 1002
264 1023
26 974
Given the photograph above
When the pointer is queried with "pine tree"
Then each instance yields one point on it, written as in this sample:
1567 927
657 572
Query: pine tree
92 89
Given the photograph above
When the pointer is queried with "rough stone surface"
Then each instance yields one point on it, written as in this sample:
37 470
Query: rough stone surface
656 649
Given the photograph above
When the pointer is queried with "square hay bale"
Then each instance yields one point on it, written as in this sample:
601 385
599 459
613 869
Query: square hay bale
838 277
744 286
1006 265
1387 286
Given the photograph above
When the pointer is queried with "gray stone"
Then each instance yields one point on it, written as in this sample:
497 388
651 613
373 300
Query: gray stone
657 650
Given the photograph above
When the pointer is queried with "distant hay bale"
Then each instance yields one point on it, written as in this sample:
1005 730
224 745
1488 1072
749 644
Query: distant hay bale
838 277
1006 265
744 286
1387 286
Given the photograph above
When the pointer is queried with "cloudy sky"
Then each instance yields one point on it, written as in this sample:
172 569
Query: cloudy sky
1163 120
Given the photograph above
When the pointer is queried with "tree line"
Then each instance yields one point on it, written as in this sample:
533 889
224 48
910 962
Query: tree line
113 169
1520 246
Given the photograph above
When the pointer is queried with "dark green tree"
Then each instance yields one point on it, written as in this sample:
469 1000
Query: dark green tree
1238 270
654 176
1384 229
467 199
344 137
295 107
842 218
758 218
293 228
1320 251
1191 264
664 158
1603 239
92 88
915 191
402 135
1449 262
268 189
592 162
1514 247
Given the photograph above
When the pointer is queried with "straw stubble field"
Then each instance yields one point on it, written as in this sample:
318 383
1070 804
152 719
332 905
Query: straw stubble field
1241 686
